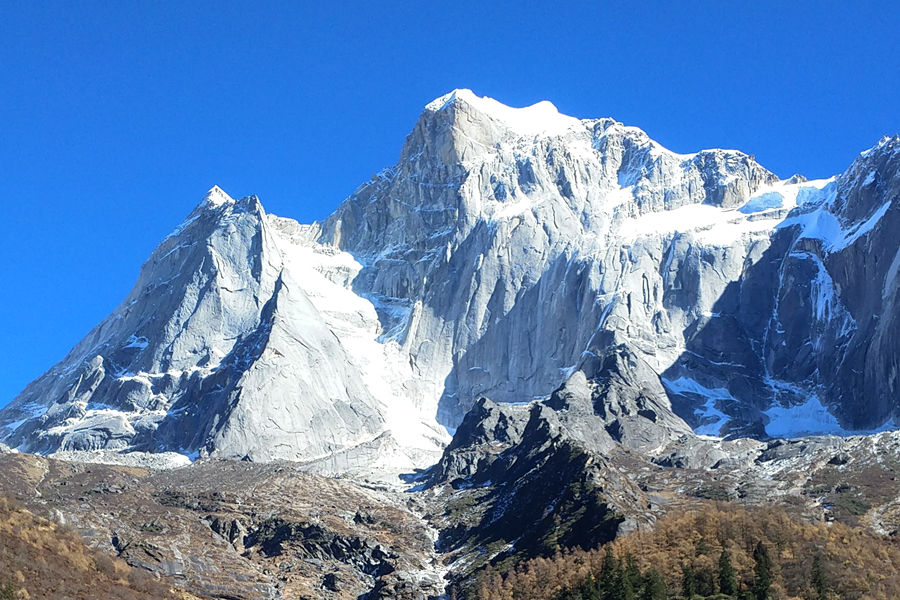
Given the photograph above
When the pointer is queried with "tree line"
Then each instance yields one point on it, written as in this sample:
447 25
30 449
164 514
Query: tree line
718 551
621 578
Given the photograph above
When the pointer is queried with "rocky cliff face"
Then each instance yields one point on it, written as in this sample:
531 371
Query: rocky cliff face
809 322
508 252
218 349
501 233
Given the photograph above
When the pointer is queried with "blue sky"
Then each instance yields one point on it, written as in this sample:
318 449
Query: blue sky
116 117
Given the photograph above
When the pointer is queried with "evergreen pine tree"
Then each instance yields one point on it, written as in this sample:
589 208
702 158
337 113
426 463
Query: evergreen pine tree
627 590
702 547
619 587
588 589
763 582
654 586
573 593
818 579
727 579
706 582
610 577
688 581
632 577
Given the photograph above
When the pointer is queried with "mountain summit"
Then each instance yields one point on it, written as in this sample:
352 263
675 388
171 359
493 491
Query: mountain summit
506 254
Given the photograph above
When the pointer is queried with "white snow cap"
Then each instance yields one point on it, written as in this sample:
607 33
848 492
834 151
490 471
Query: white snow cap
216 197
538 119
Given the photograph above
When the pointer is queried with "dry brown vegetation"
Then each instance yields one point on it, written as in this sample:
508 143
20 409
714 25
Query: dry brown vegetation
859 565
233 529
41 559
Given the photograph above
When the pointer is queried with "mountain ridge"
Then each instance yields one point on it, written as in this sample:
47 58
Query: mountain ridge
503 250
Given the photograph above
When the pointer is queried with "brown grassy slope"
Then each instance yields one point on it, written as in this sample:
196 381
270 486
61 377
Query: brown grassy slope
40 560
859 564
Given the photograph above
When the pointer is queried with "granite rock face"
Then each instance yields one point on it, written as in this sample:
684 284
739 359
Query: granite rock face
217 349
503 243
811 321
509 252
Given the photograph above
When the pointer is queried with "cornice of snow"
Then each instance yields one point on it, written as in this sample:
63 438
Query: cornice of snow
538 119
543 119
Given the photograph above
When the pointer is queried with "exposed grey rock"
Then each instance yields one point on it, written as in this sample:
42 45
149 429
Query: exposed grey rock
155 461
507 247
487 430
617 397
813 315
786 449
505 253
217 348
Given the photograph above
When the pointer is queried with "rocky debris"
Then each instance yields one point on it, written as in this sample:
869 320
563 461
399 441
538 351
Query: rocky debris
692 452
232 529
788 449
273 536
516 482
331 582
157 461
235 529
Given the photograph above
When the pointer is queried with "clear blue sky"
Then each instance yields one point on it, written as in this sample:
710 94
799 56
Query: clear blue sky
116 117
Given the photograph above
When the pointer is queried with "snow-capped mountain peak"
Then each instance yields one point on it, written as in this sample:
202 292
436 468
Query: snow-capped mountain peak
504 254
216 196
541 118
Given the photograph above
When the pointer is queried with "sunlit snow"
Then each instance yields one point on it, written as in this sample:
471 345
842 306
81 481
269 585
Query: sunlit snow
810 418
537 119
327 274
713 419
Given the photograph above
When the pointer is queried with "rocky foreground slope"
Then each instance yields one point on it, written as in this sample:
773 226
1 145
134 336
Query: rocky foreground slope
517 482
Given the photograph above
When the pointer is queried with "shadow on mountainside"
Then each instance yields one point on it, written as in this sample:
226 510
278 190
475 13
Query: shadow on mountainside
534 352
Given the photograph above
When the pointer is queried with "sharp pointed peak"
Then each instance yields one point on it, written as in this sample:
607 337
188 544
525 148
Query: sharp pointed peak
216 196
886 141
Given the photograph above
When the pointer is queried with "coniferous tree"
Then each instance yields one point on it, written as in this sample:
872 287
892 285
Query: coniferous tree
727 579
763 569
632 577
688 581
626 590
702 547
705 581
588 589
654 586
818 579
574 593
610 577
620 588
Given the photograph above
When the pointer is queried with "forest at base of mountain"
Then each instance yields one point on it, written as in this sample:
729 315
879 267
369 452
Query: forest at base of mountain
683 553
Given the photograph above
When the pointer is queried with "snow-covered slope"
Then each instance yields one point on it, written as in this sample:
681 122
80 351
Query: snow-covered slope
238 340
504 250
